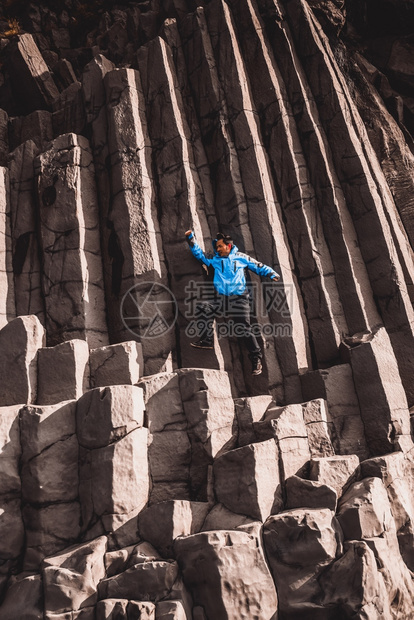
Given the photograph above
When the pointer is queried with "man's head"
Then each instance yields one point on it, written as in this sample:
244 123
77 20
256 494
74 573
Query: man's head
224 243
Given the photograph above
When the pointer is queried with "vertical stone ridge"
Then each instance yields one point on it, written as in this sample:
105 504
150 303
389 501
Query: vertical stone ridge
368 196
24 225
178 185
325 314
350 271
263 210
246 209
230 201
7 303
135 244
69 239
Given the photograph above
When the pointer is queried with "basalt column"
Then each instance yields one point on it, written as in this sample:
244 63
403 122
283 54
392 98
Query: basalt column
247 208
7 307
26 263
69 238
384 245
181 198
324 309
350 271
138 283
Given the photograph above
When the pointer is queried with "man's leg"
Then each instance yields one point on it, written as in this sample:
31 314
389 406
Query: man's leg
240 312
204 319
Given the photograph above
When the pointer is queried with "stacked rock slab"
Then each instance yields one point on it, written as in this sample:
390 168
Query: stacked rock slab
109 525
50 480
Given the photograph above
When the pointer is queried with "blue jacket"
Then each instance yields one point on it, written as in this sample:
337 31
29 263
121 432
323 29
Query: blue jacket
229 276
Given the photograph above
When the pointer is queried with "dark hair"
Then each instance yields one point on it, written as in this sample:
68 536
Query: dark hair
225 238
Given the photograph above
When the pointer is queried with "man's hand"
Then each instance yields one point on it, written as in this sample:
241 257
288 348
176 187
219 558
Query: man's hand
188 233
275 278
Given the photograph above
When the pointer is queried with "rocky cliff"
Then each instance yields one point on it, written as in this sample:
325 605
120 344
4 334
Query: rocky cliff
142 478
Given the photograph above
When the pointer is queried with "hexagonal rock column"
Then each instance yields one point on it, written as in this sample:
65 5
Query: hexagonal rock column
113 466
20 341
247 480
287 427
69 238
63 372
24 598
397 474
24 223
169 451
303 225
11 524
365 513
133 260
249 410
208 406
301 493
335 471
182 202
161 523
299 545
316 418
119 560
209 410
117 364
381 236
70 579
336 386
36 127
354 585
4 137
50 480
31 78
7 303
227 575
147 581
364 510
381 396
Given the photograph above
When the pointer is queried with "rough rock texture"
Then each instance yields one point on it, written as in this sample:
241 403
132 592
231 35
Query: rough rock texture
7 308
141 477
50 480
63 372
20 341
69 238
300 544
227 575
116 364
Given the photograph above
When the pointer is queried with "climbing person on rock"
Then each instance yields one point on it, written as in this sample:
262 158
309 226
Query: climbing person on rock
231 297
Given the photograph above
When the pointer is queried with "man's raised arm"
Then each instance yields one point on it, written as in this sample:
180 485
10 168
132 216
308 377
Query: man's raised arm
195 248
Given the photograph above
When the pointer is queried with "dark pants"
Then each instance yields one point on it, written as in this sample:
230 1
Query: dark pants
236 310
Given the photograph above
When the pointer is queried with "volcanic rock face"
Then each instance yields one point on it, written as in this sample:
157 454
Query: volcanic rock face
141 477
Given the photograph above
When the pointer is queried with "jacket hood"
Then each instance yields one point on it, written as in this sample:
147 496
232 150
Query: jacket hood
234 248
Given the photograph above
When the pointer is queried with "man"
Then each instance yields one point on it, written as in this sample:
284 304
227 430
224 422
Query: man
230 293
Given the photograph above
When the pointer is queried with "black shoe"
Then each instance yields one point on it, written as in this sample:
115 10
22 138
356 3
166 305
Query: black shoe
203 344
257 366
